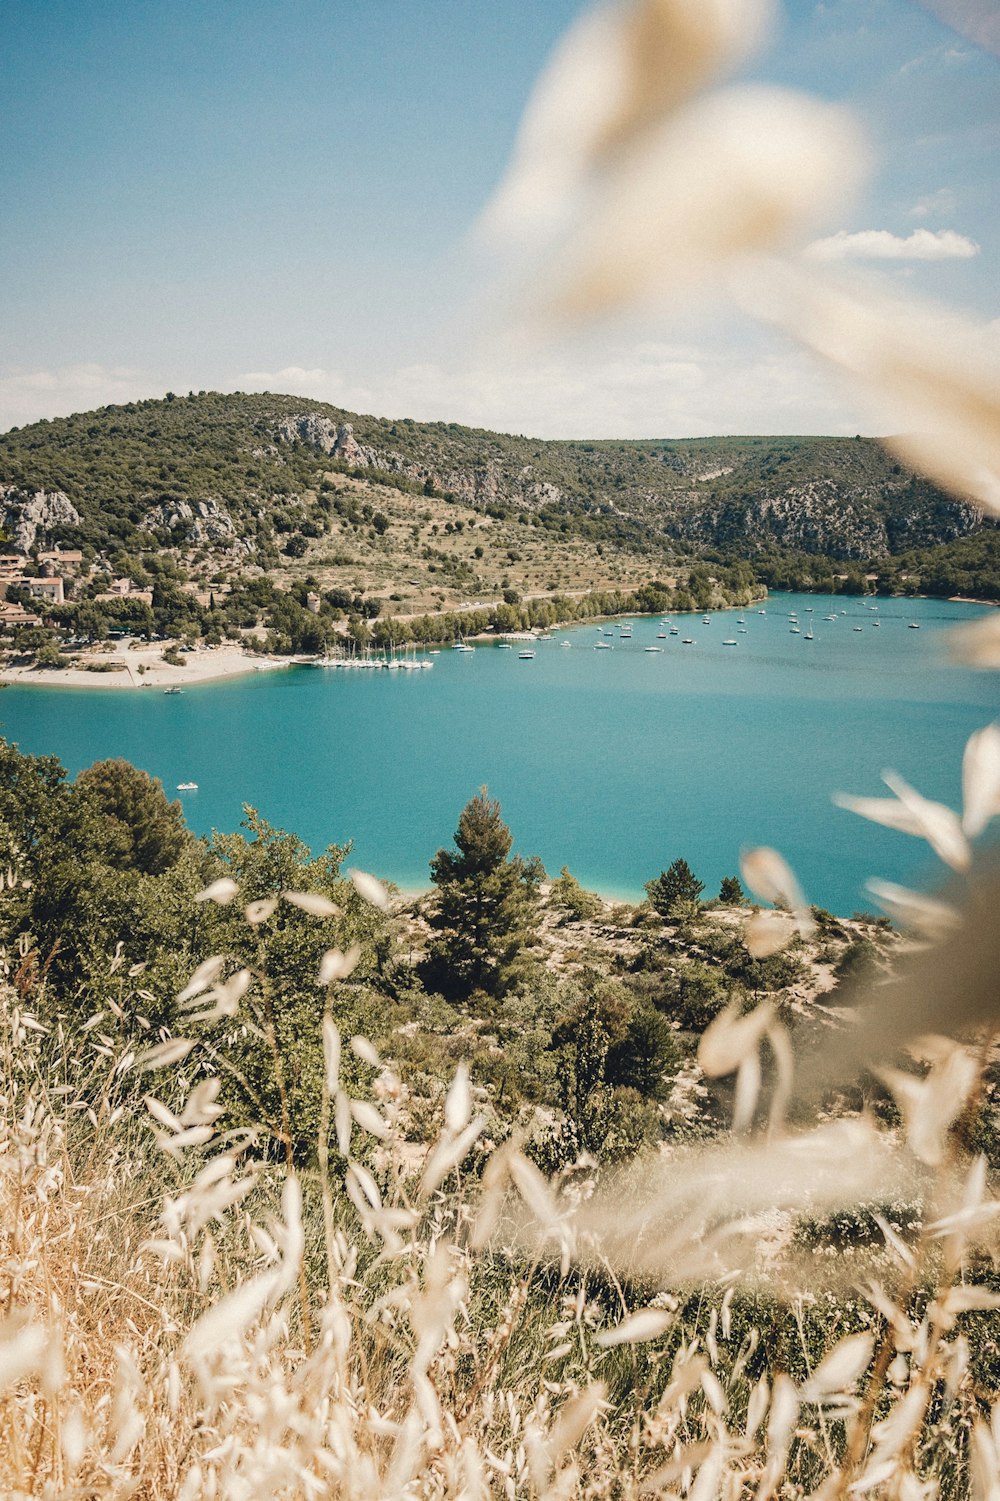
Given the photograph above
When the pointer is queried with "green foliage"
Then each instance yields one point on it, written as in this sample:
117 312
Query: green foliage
731 893
134 826
614 1058
678 884
567 892
698 993
858 964
485 912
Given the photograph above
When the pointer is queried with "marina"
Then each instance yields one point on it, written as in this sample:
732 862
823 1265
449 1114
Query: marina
612 761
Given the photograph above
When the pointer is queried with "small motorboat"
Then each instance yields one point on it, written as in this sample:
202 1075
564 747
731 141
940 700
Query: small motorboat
731 642
526 656
914 625
187 786
688 641
652 648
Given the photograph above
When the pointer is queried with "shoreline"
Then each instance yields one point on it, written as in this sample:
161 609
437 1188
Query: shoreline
209 665
215 664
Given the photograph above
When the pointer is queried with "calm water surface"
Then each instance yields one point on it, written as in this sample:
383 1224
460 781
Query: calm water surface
610 762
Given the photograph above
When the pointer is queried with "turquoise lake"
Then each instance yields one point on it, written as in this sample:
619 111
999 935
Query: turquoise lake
611 762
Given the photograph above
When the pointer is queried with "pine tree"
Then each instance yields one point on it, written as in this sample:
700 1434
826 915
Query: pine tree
485 913
678 884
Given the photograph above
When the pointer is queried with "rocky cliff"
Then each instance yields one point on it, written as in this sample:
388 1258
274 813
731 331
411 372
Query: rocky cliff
26 513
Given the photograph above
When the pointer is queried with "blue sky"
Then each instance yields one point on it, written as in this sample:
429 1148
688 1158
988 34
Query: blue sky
280 193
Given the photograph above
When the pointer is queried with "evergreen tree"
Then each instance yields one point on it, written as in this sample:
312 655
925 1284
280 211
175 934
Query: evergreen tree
731 893
134 825
485 914
679 883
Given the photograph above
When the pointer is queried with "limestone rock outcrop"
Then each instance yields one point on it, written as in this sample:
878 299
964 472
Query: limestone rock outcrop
204 521
26 513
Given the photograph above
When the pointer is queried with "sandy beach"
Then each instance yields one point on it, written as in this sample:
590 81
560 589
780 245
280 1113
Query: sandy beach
143 667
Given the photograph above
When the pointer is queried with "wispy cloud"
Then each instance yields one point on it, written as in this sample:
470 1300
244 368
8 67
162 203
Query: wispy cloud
653 389
293 378
935 205
979 20
27 395
882 245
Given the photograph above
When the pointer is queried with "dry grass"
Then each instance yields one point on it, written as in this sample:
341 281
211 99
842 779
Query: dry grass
184 1317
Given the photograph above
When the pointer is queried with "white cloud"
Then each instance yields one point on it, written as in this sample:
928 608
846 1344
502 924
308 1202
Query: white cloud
291 378
934 204
621 388
27 395
882 245
641 390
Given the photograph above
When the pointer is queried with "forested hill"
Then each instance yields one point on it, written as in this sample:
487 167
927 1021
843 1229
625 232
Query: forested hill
227 471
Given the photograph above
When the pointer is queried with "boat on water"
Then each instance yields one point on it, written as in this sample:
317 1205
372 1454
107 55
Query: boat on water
877 624
187 786
831 617
674 631
565 643
462 646
173 690
761 612
652 648
742 631
914 625
740 620
809 634
706 620
544 637
688 641
794 630
731 642
526 656
604 646
859 628
661 635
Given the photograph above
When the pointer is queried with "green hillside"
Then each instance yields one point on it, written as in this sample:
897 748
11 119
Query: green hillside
292 523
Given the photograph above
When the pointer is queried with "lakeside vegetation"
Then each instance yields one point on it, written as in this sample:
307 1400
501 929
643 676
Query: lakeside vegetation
231 1188
292 527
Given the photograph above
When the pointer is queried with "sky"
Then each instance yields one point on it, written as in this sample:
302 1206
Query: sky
282 195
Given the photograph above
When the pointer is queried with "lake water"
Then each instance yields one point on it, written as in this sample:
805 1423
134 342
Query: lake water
611 762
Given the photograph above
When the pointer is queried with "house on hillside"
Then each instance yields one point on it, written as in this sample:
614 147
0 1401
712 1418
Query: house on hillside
48 589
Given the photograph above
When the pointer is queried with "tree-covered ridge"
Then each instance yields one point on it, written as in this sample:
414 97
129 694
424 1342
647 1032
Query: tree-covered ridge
256 455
